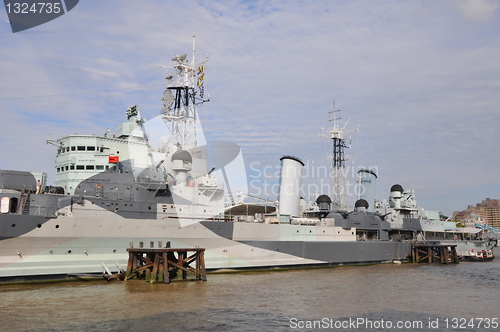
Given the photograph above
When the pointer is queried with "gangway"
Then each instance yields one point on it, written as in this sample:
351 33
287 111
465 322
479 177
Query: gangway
488 227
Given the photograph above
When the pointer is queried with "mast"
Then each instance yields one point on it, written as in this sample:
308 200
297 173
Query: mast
338 134
180 100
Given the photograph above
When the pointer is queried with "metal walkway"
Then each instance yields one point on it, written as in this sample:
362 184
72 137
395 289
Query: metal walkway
488 228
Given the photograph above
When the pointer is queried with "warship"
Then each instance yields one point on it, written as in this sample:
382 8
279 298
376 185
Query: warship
115 191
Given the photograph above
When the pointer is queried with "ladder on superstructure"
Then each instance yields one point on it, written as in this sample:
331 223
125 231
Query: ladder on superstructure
22 204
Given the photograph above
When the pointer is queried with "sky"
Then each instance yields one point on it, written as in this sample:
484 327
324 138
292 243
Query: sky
421 79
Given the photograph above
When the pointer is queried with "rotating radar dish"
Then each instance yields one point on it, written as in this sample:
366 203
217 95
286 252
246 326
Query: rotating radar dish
168 99
180 58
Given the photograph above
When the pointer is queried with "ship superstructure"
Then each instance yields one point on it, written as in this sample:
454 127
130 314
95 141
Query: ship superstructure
80 157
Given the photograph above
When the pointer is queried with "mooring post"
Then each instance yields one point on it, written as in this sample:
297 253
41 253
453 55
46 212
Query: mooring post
201 258
166 277
198 270
454 254
130 264
154 273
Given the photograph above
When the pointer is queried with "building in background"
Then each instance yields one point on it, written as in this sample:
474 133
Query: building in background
488 210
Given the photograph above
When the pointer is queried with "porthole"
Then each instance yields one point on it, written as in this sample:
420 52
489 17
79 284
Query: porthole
69 251
57 226
39 225
13 225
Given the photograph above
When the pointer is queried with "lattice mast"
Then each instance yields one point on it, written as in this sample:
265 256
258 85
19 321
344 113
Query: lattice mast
180 100
337 134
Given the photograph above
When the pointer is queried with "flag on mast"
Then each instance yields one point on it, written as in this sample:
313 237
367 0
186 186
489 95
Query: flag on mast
201 77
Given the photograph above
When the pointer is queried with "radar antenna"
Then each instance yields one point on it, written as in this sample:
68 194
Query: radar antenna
338 134
180 99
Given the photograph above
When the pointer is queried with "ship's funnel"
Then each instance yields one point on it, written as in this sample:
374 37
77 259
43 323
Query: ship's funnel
367 181
290 182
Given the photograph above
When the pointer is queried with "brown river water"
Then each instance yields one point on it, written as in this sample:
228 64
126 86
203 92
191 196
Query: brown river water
406 297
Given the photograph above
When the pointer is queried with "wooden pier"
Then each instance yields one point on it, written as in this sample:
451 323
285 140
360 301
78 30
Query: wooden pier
164 264
429 253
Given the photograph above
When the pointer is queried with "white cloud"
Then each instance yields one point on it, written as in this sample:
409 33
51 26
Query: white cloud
478 10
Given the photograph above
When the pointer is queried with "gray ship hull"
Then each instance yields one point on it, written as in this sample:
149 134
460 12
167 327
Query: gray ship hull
80 238
85 237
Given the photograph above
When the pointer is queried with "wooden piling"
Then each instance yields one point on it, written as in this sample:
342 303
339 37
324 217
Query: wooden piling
442 253
162 265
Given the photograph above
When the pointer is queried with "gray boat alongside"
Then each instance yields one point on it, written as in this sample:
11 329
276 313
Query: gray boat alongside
117 190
